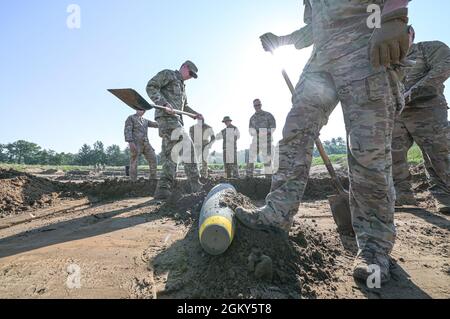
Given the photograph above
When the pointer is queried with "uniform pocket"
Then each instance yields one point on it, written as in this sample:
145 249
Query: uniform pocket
376 87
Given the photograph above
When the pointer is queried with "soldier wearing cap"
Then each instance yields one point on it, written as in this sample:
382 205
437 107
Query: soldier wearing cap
262 126
230 135
168 89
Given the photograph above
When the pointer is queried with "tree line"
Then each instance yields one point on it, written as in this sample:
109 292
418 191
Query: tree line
28 153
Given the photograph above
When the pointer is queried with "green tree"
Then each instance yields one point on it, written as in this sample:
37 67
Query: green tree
85 156
99 155
115 156
3 154
22 152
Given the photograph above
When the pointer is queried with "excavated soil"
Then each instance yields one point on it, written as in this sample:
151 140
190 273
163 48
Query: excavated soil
257 265
129 245
21 192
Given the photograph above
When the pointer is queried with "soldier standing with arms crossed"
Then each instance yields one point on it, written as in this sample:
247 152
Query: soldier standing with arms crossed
230 135
262 126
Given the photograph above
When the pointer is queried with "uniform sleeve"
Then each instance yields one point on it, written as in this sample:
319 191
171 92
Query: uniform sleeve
212 135
188 109
307 15
252 126
219 136
152 124
237 133
129 130
155 85
437 56
272 122
303 37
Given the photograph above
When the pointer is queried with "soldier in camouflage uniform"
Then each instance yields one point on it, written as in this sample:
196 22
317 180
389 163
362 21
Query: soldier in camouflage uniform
424 121
167 89
136 135
230 135
203 136
349 64
262 126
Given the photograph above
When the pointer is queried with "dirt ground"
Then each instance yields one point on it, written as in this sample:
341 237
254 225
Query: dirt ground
111 239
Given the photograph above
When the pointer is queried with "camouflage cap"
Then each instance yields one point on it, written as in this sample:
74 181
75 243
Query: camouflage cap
226 119
192 67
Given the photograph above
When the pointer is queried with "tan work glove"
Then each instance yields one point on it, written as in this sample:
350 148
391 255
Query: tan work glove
390 43
270 42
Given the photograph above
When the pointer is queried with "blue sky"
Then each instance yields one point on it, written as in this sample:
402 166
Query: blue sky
53 79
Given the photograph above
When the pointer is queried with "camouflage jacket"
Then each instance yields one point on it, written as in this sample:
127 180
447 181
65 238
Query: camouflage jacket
262 120
136 129
168 87
230 136
206 132
425 79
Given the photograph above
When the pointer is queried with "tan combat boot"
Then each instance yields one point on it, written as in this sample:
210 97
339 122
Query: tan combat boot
162 193
366 260
264 218
405 199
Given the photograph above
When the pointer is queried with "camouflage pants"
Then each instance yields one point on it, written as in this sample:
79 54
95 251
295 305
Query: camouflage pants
369 107
176 146
428 127
202 152
143 148
261 148
231 166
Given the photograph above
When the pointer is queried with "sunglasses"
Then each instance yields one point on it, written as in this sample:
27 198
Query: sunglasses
257 105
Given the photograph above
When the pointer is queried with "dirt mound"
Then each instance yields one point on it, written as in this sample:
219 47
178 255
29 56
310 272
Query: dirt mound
115 188
257 265
20 192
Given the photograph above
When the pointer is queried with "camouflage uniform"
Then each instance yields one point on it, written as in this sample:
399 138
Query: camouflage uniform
202 144
230 136
425 119
261 144
136 131
340 71
168 87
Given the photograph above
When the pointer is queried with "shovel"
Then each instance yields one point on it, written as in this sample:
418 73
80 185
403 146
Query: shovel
339 203
134 100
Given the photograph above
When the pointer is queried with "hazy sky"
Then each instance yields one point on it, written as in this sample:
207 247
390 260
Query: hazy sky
53 79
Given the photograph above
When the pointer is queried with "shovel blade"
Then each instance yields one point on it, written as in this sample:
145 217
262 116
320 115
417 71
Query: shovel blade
340 207
131 98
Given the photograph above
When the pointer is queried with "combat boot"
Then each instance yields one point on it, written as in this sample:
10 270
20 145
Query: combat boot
441 199
366 260
196 186
443 205
162 193
405 199
264 218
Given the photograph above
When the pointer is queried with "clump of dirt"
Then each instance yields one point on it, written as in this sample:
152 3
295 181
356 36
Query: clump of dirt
257 265
183 208
21 192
